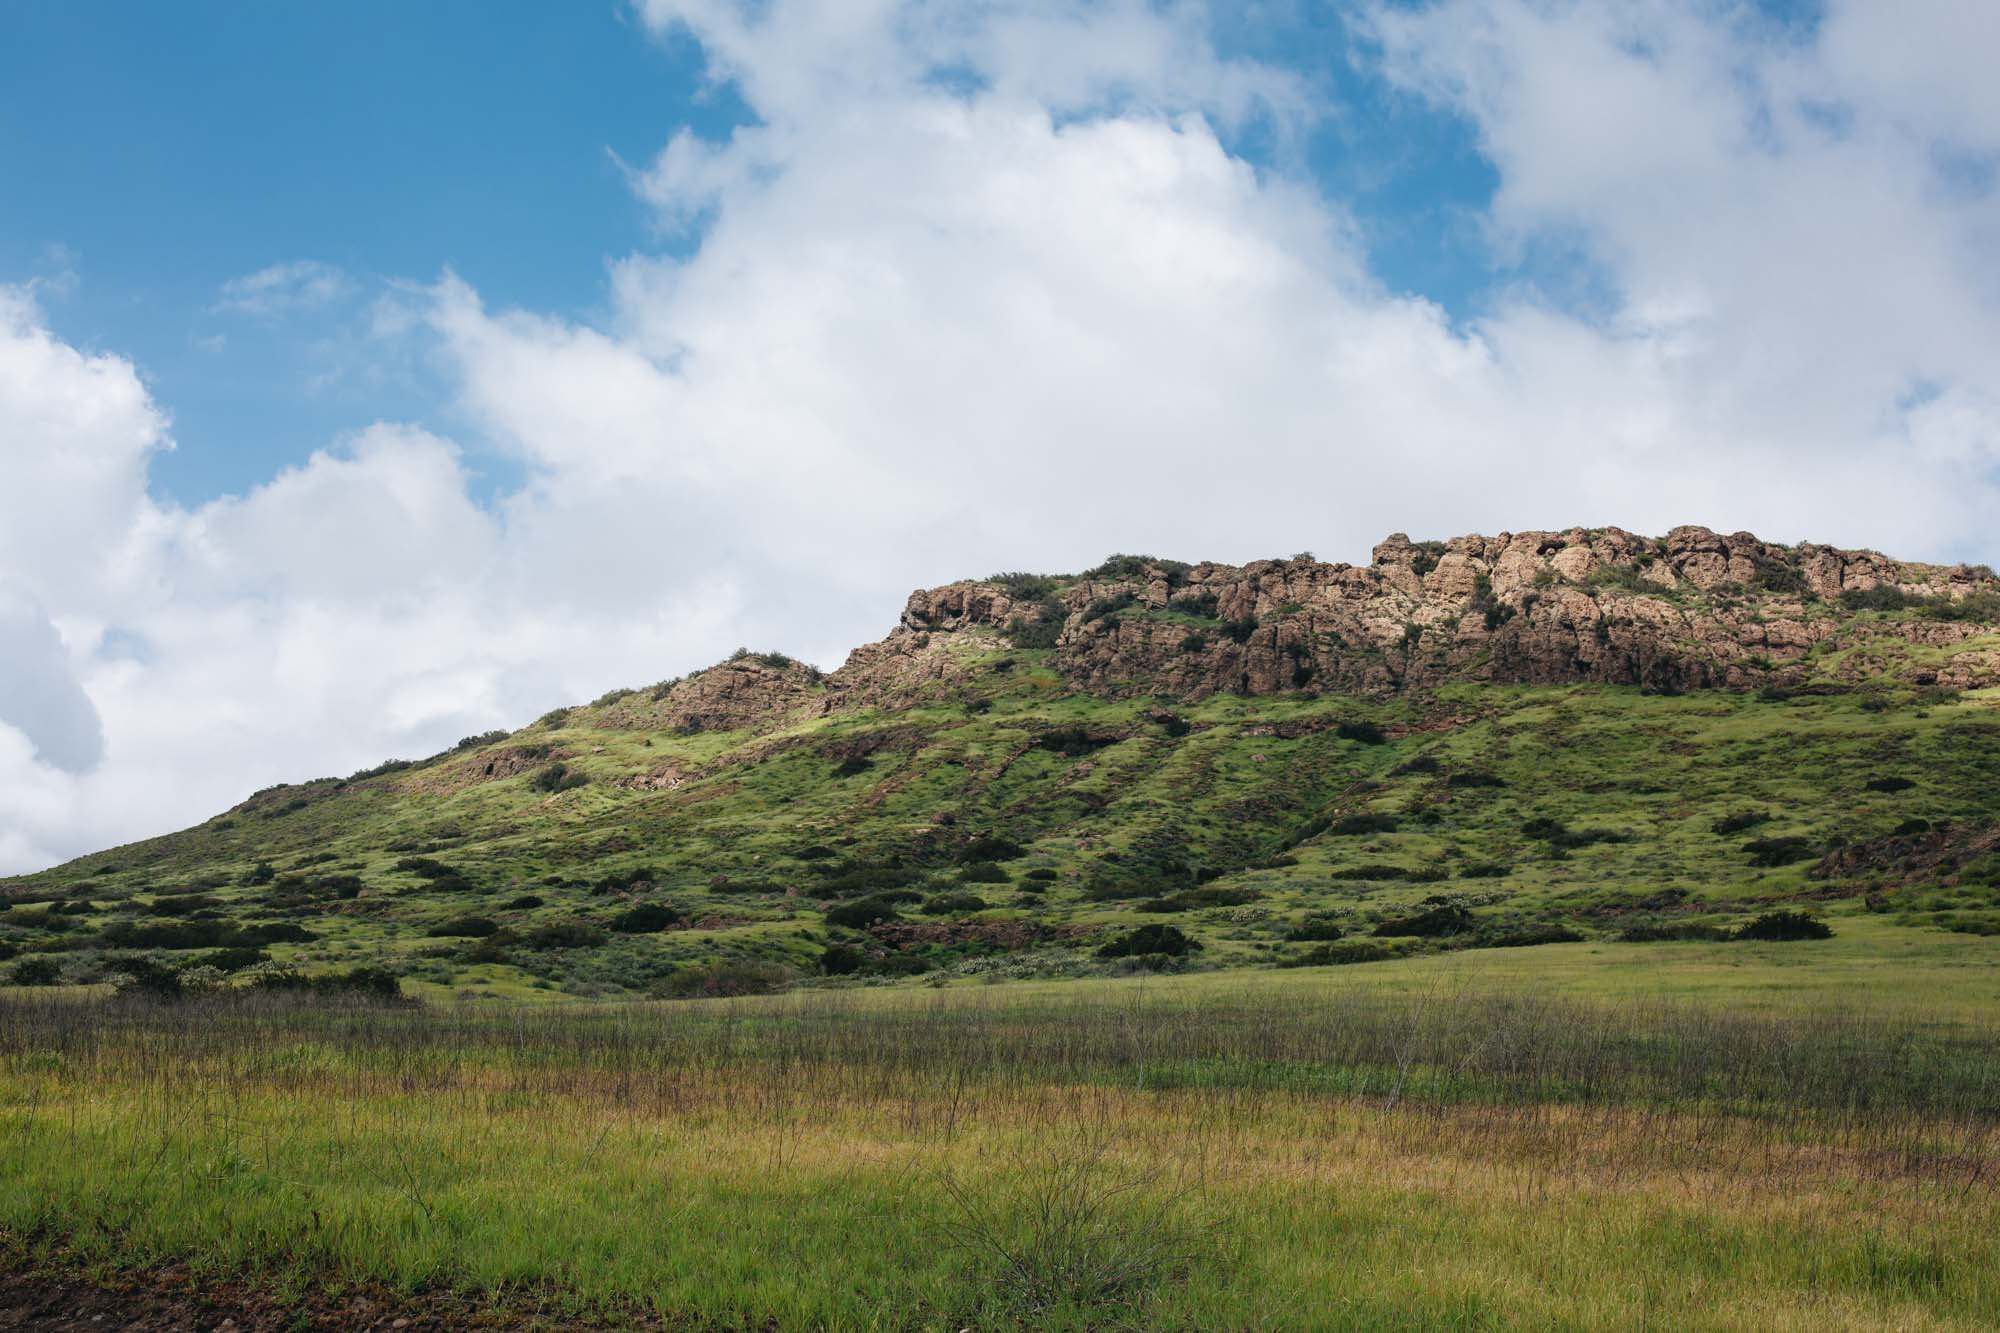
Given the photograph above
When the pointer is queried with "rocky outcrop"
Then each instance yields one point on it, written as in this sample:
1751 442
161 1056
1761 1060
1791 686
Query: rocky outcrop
750 689
1694 609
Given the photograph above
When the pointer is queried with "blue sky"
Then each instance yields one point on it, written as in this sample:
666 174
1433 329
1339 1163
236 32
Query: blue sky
174 148
376 374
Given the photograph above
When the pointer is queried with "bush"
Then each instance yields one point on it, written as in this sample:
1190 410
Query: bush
988 847
852 766
525 902
1146 941
36 971
1770 853
948 904
1883 598
464 928
841 960
1890 784
1557 834
1239 631
1041 873
1475 779
726 979
1522 937
1044 630
1341 953
232 960
645 919
1355 826
1784 925
1200 605
983 872
1440 922
556 778
1314 932
1651 931
262 873
863 912
1026 587
370 983
564 935
1192 900
1484 870
1736 823
1362 732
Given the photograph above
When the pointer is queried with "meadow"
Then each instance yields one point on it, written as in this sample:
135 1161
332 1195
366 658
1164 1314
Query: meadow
1589 1135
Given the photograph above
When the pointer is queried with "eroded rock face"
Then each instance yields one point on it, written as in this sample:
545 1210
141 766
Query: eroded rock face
751 690
1691 610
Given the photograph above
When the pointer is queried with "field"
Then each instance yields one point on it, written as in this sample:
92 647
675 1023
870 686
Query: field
1711 1135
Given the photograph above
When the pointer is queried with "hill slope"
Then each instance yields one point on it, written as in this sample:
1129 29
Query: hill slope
1490 741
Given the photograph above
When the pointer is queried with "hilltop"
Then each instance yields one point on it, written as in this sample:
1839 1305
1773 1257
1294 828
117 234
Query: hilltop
1490 741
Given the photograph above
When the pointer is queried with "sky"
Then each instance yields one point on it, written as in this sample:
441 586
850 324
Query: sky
377 374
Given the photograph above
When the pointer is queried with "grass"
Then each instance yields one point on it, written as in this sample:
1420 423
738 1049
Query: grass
1437 1142
1591 808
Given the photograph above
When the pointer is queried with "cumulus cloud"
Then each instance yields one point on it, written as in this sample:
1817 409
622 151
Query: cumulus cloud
303 284
984 287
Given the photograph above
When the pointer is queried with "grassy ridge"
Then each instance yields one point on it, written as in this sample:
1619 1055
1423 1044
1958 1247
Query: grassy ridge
1295 1150
1012 829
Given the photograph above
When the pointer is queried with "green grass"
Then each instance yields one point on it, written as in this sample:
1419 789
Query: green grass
1433 1143
1247 797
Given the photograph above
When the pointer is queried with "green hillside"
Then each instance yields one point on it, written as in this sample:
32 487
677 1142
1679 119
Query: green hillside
1018 828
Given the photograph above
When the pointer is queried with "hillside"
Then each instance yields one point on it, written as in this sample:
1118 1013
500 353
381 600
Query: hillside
1479 743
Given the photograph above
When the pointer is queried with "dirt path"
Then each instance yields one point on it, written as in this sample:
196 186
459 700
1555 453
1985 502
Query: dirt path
172 1300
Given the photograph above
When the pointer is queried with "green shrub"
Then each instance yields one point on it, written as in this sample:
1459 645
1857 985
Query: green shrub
1440 922
1041 873
1042 630
841 960
1526 936
1361 825
1770 853
1026 587
1341 953
1484 870
463 928
1201 605
950 904
1883 598
989 847
645 919
852 766
1361 731
983 872
1783 925
1650 931
564 935
1890 784
1736 823
1474 778
863 912
1166 941
525 902
1239 630
555 778
727 979
262 873
35 971
1314 932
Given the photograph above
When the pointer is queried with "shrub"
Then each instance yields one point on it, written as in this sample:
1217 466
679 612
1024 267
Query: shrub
1138 567
1041 873
1201 605
36 971
644 919
1522 937
1439 922
852 766
525 902
564 935
1736 823
1146 941
1484 870
232 960
1361 825
1026 587
1193 642
555 778
1770 853
813 853
1557 834
1240 630
463 928
983 872
988 847
841 960
1361 731
1650 931
369 983
1475 778
725 979
1883 598
262 873
1783 925
1108 606
1192 900
1340 953
948 904
1892 784
1043 630
484 738
1306 932
863 912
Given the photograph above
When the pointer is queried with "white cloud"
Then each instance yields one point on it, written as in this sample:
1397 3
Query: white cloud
304 284
983 288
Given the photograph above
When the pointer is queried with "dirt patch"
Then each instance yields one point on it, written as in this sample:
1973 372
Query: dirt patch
172 1299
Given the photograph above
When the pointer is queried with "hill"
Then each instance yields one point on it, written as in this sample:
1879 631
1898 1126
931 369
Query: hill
1486 742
